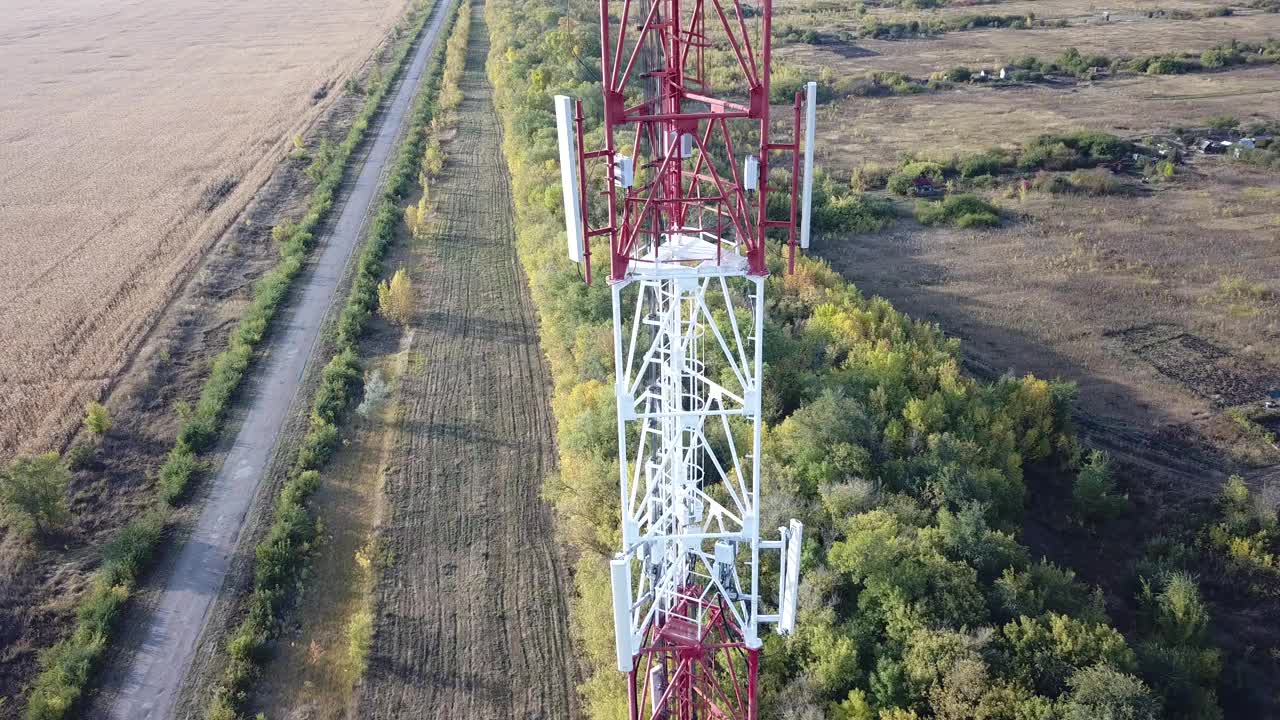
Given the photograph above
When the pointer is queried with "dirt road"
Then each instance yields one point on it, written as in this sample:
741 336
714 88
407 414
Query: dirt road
472 617
148 689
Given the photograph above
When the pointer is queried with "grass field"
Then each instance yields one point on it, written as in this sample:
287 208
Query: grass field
131 137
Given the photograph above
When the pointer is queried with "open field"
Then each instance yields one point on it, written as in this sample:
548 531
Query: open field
132 136
991 48
971 118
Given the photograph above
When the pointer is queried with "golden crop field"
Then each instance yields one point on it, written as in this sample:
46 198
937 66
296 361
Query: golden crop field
131 134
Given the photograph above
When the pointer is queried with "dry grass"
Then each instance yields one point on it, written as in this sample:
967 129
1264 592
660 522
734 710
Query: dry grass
972 118
130 137
1130 33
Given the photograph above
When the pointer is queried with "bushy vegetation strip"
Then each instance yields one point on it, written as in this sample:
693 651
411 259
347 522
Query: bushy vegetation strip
281 557
1073 63
918 599
67 667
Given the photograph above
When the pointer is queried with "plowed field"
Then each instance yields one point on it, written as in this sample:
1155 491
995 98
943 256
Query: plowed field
472 616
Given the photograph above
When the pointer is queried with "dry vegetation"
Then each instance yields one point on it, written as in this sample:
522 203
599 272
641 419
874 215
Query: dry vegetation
130 139
1128 33
857 130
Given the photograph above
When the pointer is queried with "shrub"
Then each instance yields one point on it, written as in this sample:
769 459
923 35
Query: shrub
1097 183
1222 56
903 181
359 640
1073 62
966 211
1092 493
33 494
376 390
175 475
1069 151
854 213
96 419
1223 122
339 383
395 298
1176 657
1166 65
992 162
870 176
80 456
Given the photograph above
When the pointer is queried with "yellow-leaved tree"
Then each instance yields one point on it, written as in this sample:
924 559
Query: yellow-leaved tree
395 297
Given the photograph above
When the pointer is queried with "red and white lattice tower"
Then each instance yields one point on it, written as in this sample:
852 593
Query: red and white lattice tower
684 204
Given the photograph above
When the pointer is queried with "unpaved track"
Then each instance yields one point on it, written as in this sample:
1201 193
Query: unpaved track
148 689
472 617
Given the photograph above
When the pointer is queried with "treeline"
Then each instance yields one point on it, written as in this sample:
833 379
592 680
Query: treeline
67 667
903 28
281 558
918 600
1076 64
1074 150
899 28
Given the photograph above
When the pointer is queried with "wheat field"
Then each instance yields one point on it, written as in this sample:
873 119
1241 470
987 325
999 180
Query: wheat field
120 124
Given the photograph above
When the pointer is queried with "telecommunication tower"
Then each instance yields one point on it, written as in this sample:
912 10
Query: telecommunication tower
684 202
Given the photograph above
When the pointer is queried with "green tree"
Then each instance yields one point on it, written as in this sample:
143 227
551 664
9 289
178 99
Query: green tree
854 707
1104 693
1093 492
1046 651
96 419
1177 659
33 494
962 688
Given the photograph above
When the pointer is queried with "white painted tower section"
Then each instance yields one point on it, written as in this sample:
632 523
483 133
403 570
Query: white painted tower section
689 366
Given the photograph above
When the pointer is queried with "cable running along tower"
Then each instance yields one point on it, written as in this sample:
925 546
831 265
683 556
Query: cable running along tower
681 190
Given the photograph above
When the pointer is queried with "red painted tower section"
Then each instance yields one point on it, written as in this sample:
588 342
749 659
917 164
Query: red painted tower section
660 109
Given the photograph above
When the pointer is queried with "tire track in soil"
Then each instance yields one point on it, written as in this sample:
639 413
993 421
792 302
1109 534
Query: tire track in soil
472 612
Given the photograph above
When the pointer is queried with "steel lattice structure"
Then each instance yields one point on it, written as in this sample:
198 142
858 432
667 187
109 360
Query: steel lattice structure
687 217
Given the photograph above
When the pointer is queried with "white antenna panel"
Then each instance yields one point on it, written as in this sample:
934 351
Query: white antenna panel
565 133
790 577
751 174
810 122
624 171
620 575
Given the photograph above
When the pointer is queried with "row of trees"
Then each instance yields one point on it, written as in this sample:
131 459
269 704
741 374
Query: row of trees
918 600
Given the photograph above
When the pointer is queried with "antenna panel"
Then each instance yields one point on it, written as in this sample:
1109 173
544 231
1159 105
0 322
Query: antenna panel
810 121
567 137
